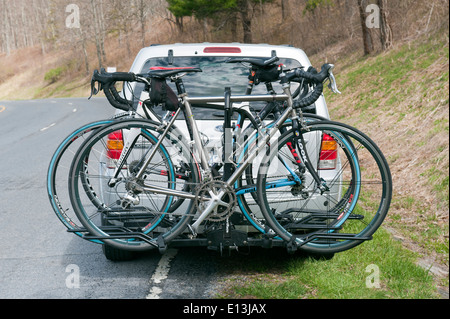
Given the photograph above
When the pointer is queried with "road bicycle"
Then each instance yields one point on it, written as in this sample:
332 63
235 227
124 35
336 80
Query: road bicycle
209 200
60 161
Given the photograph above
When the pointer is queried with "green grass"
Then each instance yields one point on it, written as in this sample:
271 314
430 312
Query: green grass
54 75
349 275
407 85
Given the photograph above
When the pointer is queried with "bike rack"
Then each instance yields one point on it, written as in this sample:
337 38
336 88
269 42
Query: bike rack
222 238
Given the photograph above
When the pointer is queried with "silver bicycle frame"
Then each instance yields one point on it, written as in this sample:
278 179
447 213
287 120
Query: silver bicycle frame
187 101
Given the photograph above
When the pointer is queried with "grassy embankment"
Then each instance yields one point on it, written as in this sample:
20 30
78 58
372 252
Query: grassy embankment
400 99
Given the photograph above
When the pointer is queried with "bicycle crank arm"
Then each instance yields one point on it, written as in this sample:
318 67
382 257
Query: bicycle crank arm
214 202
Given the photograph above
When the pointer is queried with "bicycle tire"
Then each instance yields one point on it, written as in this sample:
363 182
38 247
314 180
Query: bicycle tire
148 223
58 171
358 218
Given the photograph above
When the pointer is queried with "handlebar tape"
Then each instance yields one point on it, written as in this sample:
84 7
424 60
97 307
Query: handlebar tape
104 77
112 100
118 97
107 81
312 76
311 98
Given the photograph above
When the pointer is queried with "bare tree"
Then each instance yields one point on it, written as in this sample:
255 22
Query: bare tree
121 18
6 44
385 27
284 9
245 12
97 32
142 11
366 34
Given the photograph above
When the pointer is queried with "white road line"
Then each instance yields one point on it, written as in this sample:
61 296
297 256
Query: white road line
154 293
46 128
161 273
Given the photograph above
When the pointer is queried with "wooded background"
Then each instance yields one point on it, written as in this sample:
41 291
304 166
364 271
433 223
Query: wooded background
313 25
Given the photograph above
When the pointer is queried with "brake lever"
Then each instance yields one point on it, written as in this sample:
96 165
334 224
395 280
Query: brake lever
94 90
332 85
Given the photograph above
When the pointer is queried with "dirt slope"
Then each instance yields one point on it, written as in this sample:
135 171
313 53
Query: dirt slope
400 98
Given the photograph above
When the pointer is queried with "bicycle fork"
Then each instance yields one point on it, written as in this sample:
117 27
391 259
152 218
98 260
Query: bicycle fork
302 157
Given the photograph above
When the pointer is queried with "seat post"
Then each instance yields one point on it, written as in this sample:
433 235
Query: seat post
180 86
228 136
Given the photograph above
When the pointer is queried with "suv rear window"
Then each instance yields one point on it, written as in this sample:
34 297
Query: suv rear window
215 77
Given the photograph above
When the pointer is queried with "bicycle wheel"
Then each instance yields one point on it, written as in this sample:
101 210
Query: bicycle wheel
59 170
247 198
349 212
146 220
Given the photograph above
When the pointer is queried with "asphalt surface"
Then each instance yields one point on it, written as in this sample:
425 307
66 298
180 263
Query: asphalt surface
38 258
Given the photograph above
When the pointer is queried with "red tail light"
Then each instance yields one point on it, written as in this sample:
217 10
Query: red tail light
114 145
328 153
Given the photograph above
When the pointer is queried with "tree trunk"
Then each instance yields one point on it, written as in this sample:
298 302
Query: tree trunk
102 29
284 9
246 20
142 20
367 37
97 36
83 47
385 28
180 25
204 23
233 22
5 30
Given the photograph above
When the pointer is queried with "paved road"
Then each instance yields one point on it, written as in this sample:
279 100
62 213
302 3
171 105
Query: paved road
38 258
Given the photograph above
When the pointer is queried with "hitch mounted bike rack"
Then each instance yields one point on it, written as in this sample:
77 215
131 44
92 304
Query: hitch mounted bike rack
221 239
114 232
321 238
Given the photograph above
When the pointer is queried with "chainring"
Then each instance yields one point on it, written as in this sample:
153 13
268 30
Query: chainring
225 208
